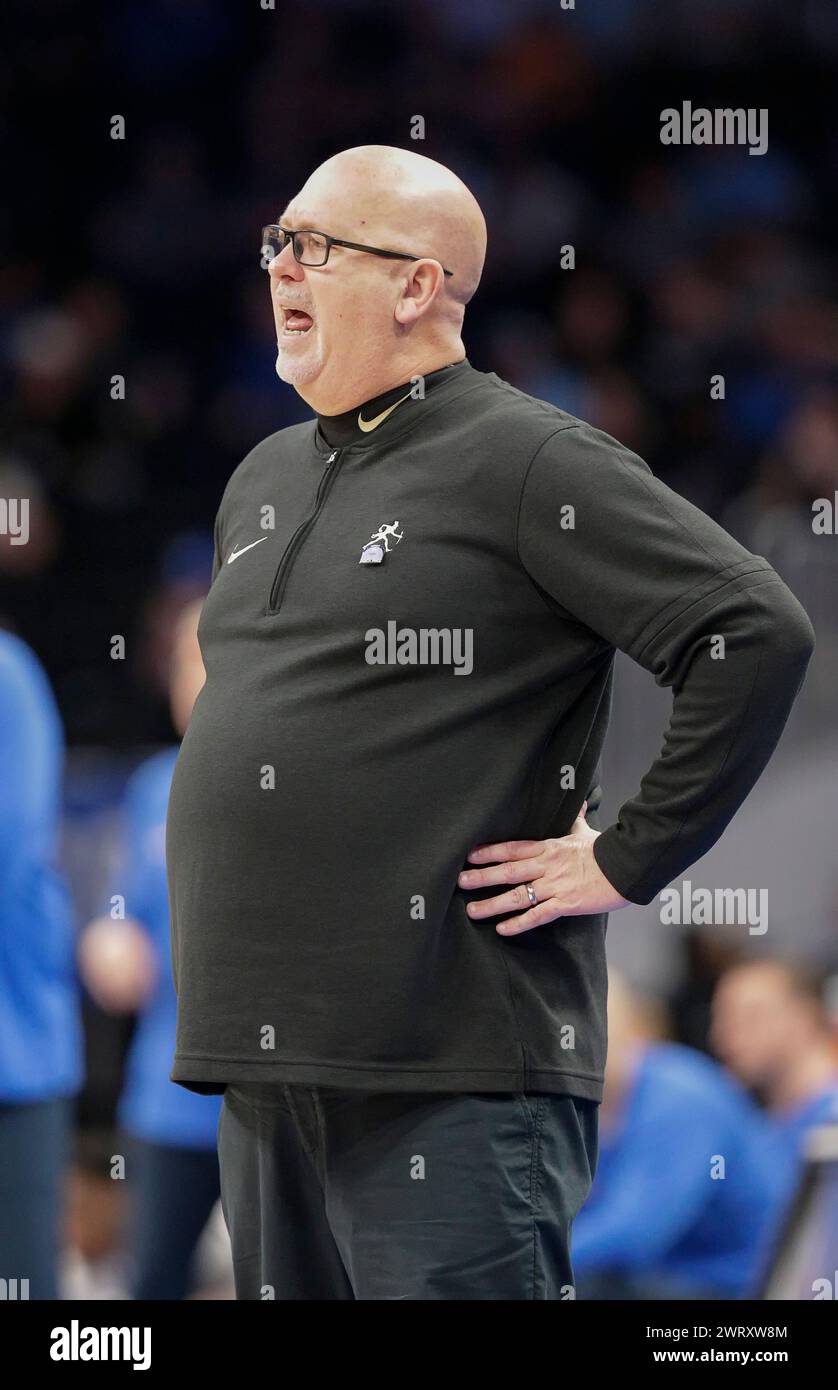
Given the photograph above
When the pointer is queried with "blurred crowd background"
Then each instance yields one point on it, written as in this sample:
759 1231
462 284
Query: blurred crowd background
139 258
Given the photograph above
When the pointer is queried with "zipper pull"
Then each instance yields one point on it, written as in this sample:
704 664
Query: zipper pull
333 455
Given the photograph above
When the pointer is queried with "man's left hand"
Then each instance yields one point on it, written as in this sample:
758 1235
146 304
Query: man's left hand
566 879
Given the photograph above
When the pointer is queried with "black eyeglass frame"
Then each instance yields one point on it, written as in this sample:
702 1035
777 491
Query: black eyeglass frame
274 227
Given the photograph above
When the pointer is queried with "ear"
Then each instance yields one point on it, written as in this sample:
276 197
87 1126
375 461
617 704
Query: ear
419 288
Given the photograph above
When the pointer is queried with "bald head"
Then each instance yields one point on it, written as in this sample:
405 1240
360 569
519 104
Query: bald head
361 323
401 200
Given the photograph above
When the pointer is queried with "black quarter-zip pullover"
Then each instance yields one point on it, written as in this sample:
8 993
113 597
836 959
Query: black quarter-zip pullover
409 647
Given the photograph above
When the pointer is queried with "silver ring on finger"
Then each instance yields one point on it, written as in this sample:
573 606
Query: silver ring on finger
531 894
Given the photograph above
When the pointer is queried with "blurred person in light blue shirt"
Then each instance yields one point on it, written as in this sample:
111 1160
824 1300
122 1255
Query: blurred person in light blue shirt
685 1191
172 1156
41 1051
772 1027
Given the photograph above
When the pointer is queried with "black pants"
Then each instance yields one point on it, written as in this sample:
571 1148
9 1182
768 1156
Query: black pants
335 1194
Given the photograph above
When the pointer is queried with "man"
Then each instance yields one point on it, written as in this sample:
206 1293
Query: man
686 1190
771 1026
41 1047
394 750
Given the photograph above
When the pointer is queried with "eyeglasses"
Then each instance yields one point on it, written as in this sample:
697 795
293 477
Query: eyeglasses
313 248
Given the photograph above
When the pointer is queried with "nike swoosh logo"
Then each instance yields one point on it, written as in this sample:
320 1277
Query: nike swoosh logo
234 554
367 425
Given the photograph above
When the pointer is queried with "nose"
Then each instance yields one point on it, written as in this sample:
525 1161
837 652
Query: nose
284 267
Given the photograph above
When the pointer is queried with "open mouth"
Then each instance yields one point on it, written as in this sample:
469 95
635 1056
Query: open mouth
296 321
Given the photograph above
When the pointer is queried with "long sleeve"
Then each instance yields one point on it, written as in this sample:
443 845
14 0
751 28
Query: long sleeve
134 877
615 549
140 875
31 756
